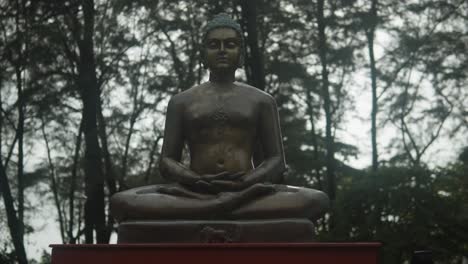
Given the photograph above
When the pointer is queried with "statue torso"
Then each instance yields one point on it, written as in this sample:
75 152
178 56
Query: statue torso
220 126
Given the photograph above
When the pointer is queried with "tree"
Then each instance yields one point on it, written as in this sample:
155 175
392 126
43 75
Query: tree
15 37
87 81
425 88
322 50
254 57
370 35
13 221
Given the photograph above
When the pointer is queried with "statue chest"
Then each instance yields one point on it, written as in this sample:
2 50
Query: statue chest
221 111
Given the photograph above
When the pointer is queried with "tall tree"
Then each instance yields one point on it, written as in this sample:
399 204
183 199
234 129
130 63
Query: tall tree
12 218
94 180
420 71
14 27
371 23
53 184
73 187
329 144
254 63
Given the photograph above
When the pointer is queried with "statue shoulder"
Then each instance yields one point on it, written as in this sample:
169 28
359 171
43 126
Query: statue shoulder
262 96
177 102
185 96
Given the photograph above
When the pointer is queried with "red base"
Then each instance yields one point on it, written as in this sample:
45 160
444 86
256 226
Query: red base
316 253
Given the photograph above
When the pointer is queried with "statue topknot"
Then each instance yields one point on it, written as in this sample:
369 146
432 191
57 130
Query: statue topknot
222 20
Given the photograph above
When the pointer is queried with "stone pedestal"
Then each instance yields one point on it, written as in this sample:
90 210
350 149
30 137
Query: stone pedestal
247 231
291 253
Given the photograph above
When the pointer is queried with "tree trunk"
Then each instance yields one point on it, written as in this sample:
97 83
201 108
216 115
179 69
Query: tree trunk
110 174
94 180
329 144
254 57
20 135
15 219
370 34
53 185
310 111
217 6
12 219
20 128
71 195
133 118
151 159
127 146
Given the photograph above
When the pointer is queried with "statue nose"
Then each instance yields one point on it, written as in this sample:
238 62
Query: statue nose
222 48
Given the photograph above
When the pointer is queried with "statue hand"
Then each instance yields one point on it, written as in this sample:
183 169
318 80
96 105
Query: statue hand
239 182
204 185
222 176
229 186
236 176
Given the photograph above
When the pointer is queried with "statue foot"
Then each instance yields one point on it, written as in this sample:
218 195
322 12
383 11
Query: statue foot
183 192
229 201
260 189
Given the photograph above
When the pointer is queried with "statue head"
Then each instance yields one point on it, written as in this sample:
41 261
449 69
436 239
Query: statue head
222 25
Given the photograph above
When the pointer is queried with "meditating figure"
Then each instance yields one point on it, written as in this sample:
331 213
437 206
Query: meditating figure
222 122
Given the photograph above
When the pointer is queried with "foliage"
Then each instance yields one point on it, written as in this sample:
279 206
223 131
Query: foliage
406 209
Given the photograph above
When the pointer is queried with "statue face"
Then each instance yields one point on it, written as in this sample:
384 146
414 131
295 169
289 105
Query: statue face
222 50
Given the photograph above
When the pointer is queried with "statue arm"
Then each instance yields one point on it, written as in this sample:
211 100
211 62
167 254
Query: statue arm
169 164
273 165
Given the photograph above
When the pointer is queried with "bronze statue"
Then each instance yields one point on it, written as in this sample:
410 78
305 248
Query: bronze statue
221 121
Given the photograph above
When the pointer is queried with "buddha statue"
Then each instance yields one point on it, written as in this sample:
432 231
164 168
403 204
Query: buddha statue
221 191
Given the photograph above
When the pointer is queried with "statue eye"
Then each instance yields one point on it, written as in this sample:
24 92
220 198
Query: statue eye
212 44
231 44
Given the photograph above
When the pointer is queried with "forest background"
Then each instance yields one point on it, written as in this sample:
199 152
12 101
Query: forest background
372 97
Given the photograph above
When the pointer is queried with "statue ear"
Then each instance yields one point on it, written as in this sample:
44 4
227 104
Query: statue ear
240 63
242 52
203 58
